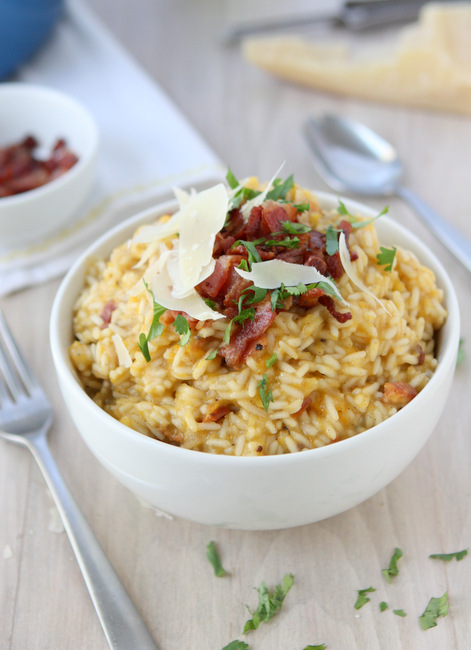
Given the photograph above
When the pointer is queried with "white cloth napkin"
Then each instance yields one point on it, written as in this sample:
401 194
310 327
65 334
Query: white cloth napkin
147 145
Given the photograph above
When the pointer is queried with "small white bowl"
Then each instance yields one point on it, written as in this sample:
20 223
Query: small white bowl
48 115
257 493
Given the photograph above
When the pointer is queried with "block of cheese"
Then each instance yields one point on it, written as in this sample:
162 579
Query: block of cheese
429 65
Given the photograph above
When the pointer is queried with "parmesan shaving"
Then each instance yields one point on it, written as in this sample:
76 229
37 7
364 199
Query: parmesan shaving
202 217
270 275
350 270
191 304
124 358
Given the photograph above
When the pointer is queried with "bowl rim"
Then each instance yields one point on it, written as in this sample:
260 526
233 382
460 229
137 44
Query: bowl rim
31 92
327 201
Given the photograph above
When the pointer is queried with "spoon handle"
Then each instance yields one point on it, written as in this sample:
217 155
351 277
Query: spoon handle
455 241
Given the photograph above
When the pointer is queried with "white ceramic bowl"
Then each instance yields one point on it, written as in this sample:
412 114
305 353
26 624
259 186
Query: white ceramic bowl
46 114
259 493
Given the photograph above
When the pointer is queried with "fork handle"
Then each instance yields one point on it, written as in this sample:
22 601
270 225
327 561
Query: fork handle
121 622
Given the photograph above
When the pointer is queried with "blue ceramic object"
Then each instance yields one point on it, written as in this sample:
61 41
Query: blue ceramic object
24 26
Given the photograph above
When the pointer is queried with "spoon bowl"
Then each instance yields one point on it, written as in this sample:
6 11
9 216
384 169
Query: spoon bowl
354 159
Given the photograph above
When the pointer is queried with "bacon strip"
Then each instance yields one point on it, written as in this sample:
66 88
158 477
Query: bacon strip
398 393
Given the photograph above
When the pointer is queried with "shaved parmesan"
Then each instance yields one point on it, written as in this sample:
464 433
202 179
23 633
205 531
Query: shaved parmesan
270 275
154 232
124 358
350 270
192 304
174 270
246 209
202 217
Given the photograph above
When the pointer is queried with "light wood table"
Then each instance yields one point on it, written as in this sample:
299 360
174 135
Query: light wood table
253 123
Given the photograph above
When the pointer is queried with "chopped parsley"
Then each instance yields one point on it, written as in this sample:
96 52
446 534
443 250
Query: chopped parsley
243 265
236 645
213 557
211 304
227 333
212 355
280 188
386 257
362 598
392 569
447 557
436 607
302 207
156 327
355 221
254 255
399 612
287 242
273 359
331 240
265 394
383 606
258 295
322 646
231 179
243 315
269 603
294 227
182 327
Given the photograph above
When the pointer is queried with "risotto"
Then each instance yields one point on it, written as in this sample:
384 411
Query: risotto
252 322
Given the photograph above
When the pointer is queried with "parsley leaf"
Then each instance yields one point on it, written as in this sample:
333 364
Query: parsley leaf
265 394
254 255
213 557
386 257
322 646
236 645
144 346
269 604
212 355
399 612
383 606
211 304
243 315
436 607
461 353
362 597
331 240
294 227
355 221
280 189
287 242
392 569
258 295
156 327
302 207
243 265
231 179
273 359
183 328
447 557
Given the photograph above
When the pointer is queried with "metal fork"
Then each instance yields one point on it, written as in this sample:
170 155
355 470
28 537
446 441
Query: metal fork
25 418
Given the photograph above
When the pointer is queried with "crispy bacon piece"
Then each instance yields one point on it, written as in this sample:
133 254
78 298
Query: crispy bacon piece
273 214
108 309
216 412
240 345
21 171
328 302
398 393
421 355
310 298
306 403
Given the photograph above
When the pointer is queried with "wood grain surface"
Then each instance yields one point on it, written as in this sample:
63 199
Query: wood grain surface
253 122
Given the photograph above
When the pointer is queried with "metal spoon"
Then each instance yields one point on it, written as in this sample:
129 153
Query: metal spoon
352 158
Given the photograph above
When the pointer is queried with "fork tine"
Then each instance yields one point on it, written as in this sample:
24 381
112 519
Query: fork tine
7 367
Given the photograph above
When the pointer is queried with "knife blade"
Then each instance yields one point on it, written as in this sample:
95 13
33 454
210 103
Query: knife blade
353 15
